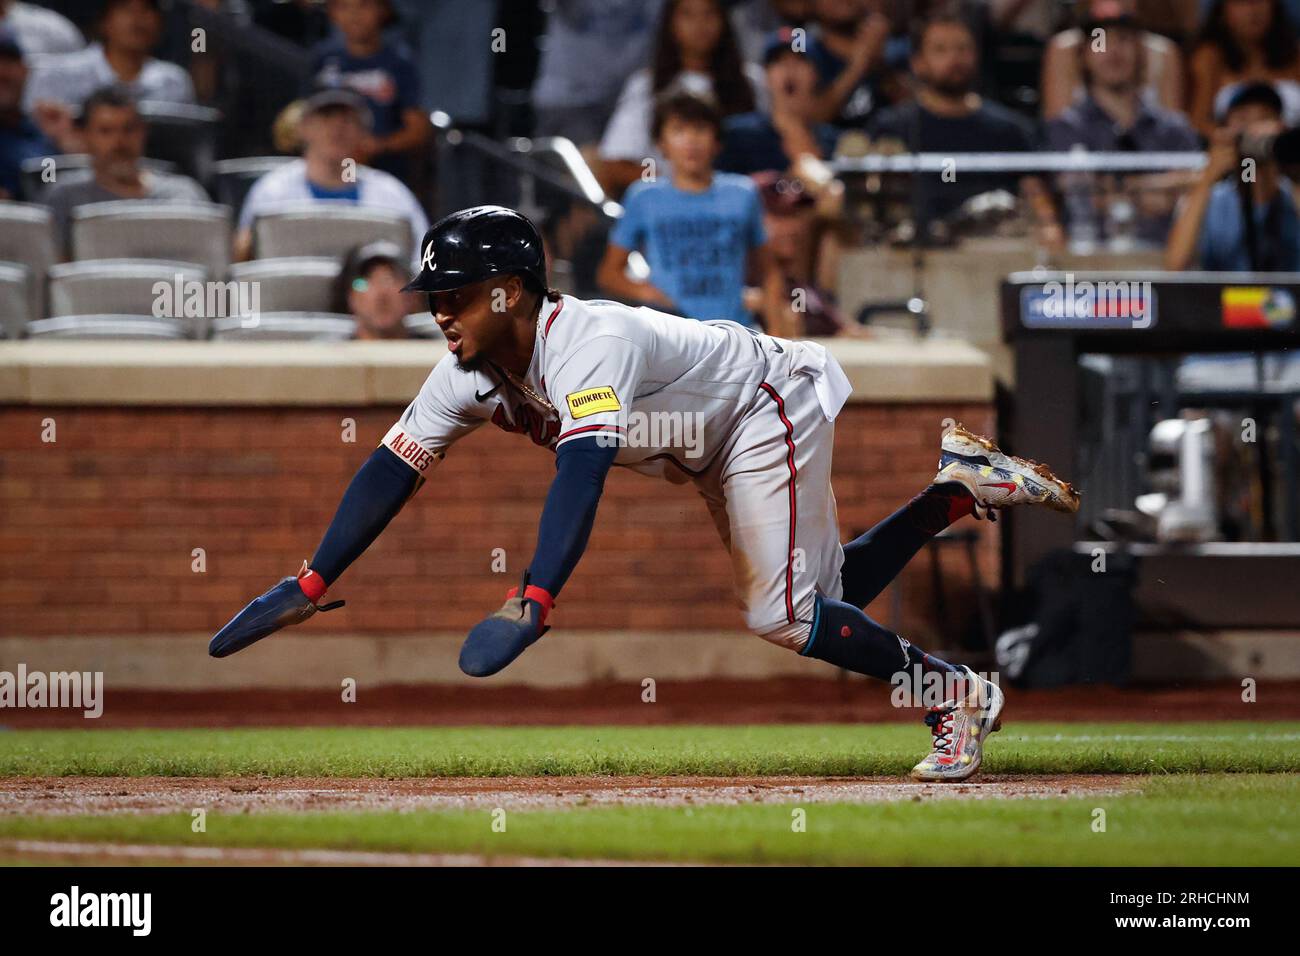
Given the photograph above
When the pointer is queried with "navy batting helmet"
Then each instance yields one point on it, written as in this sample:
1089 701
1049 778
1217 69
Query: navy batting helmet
476 243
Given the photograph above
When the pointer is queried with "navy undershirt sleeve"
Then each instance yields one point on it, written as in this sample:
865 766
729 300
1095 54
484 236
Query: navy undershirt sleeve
377 492
570 510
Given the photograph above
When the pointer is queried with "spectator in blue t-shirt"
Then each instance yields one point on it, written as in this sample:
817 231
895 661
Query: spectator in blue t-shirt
699 232
360 59
1209 230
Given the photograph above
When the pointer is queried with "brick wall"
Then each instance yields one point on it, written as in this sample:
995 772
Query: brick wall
97 529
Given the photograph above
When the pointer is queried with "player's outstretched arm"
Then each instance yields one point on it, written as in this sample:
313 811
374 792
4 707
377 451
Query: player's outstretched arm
567 518
377 492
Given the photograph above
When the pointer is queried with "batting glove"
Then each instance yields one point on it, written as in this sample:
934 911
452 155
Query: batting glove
499 639
285 604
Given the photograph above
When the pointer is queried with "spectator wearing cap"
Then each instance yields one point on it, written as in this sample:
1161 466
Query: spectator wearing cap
772 140
1113 113
695 52
1162 64
1243 41
114 135
21 136
129 30
358 58
38 30
332 127
1210 231
369 288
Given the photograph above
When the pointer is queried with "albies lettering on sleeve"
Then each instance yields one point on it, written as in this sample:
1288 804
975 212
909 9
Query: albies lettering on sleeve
592 401
410 451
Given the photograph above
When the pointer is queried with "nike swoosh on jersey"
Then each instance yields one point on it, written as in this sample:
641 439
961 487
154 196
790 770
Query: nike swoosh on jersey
484 396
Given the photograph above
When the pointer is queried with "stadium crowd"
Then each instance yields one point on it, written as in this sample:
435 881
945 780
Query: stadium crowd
712 124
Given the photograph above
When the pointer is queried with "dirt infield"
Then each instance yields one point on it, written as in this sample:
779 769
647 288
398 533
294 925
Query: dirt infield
847 700
79 795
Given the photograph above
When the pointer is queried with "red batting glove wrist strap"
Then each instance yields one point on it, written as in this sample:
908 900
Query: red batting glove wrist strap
540 595
313 585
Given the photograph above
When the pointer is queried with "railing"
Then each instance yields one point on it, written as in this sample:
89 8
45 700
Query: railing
1074 161
525 161
545 178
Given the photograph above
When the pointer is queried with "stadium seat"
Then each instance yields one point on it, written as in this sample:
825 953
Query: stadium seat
291 284
106 327
138 229
15 299
326 229
27 237
233 178
68 167
183 134
285 327
126 287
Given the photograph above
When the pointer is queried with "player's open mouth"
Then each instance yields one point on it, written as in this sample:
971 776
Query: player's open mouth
453 341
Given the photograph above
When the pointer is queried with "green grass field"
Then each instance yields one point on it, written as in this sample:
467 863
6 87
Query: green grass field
811 749
1210 793
1216 820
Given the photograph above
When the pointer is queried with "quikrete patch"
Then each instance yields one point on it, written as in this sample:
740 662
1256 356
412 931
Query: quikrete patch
592 401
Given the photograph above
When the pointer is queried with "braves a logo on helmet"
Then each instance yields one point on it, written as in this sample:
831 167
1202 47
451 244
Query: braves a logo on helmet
429 263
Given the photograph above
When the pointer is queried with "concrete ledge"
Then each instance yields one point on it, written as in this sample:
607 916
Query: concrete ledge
179 662
213 373
387 373
930 370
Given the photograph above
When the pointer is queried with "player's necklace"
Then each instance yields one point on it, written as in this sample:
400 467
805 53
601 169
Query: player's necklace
524 387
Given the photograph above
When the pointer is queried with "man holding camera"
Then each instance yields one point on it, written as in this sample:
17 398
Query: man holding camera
1210 231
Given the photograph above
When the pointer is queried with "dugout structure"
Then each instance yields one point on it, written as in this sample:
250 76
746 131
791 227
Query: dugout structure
1055 322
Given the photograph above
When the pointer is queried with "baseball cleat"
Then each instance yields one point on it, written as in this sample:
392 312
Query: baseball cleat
997 480
959 729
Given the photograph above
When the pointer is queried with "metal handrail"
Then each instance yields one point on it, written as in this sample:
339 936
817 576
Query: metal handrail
519 154
575 165
1074 161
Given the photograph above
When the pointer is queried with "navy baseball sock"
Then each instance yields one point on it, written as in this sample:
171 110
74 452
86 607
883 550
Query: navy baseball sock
844 636
873 560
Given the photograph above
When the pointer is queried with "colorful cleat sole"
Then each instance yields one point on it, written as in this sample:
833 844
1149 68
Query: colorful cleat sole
999 480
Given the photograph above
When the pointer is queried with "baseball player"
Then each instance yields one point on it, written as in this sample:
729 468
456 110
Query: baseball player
597 383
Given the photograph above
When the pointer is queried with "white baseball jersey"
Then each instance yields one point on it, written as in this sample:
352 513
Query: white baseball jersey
746 417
